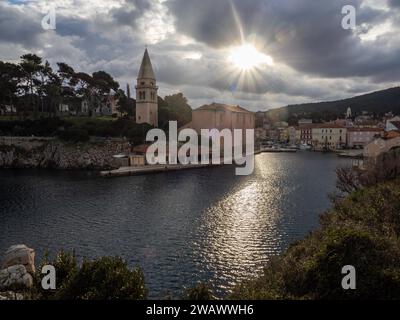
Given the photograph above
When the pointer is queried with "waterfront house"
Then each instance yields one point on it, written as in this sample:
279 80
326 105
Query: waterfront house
292 135
304 134
260 134
359 137
282 131
327 136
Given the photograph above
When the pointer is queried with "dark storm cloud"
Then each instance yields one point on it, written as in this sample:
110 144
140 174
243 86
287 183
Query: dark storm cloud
304 34
17 27
300 35
130 12
213 75
394 3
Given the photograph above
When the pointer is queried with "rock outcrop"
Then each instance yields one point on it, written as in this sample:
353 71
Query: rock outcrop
17 272
20 255
10 295
15 276
31 152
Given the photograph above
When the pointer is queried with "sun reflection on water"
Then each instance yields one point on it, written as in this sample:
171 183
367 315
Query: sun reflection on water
241 231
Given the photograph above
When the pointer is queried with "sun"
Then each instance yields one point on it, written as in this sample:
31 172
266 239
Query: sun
247 57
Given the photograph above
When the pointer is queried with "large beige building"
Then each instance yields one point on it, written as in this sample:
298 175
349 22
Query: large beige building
328 137
146 93
222 116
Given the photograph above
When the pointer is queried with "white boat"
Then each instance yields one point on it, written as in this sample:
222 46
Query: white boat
304 146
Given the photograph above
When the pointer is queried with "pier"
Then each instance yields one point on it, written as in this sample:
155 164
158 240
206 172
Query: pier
132 171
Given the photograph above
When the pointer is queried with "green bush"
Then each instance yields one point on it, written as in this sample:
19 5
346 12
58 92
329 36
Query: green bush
66 266
105 279
199 292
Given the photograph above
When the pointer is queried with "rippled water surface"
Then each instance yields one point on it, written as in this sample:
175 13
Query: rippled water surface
180 227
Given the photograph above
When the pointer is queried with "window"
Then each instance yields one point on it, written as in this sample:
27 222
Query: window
144 95
142 83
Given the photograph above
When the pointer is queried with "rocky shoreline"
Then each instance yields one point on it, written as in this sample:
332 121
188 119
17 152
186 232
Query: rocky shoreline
52 153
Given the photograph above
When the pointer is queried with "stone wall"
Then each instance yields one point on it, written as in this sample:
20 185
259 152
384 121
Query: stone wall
33 152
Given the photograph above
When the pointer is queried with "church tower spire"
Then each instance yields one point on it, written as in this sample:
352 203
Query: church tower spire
146 93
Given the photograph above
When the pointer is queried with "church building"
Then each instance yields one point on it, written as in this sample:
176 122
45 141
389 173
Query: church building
146 93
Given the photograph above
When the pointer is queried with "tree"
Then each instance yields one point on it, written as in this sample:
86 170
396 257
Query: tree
84 89
174 108
10 77
68 81
45 73
31 65
125 105
103 83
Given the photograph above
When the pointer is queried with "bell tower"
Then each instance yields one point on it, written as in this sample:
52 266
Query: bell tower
146 93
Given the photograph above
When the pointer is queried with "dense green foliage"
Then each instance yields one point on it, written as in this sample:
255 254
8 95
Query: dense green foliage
201 291
34 90
103 279
174 108
361 230
32 87
76 129
46 127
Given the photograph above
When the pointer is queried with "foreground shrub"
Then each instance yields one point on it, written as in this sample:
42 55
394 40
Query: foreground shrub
200 291
104 279
66 266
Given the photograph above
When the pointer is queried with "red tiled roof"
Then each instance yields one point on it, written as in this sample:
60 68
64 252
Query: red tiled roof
320 125
142 148
365 129
392 134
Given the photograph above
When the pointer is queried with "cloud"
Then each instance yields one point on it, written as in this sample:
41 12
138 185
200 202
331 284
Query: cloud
306 35
19 25
394 3
189 42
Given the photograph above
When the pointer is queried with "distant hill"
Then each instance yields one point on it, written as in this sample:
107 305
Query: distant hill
377 103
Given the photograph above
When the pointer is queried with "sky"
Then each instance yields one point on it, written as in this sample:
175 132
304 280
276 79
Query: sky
259 54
